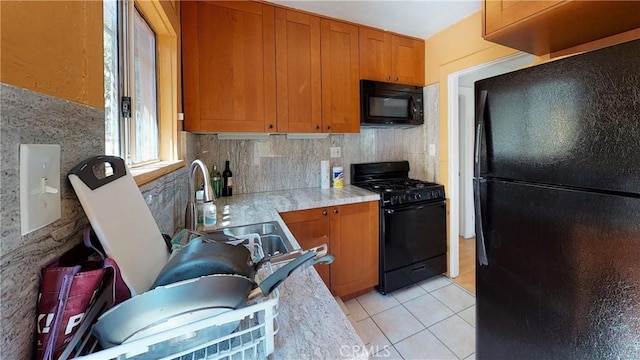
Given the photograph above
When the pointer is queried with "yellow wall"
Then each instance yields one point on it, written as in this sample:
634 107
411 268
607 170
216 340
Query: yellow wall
54 47
456 48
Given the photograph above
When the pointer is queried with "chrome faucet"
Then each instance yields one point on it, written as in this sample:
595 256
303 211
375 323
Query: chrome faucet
209 195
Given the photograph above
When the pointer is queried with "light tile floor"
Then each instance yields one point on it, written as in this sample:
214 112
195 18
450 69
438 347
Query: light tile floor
431 320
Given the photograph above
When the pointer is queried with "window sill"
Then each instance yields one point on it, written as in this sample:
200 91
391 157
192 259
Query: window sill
147 173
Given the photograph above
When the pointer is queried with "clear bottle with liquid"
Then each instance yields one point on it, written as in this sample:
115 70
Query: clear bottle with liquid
209 212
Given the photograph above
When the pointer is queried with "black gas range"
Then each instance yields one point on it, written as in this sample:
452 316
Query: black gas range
413 234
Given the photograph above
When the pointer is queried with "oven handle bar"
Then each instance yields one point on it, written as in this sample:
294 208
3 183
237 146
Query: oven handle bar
480 245
413 207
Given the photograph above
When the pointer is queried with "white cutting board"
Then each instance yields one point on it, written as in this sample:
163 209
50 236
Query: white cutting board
124 225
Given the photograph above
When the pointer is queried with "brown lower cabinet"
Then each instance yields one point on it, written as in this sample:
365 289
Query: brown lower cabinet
351 231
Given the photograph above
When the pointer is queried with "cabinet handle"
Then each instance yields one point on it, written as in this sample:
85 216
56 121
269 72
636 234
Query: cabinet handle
335 211
328 127
317 127
388 77
270 126
397 79
325 213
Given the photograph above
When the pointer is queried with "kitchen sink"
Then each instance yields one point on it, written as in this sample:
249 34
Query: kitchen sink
273 244
271 235
262 229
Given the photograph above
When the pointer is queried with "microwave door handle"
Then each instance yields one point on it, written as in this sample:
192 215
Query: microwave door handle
412 107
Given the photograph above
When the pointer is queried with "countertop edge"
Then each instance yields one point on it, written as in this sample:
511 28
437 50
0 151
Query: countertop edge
328 334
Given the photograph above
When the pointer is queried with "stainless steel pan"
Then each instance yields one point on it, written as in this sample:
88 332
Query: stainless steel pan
201 258
170 306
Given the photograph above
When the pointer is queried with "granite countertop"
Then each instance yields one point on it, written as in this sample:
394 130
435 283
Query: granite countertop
312 325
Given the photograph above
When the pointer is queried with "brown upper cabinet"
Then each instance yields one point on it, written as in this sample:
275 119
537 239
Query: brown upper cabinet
228 57
391 58
252 67
340 81
543 27
298 72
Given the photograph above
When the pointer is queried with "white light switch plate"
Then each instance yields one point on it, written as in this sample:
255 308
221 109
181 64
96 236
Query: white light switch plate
39 186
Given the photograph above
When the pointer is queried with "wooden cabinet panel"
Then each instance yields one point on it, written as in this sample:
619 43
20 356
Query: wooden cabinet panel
229 66
501 13
543 27
340 77
298 72
391 58
407 60
352 231
354 242
311 228
375 54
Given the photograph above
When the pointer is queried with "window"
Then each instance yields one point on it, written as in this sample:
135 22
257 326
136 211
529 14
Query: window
130 84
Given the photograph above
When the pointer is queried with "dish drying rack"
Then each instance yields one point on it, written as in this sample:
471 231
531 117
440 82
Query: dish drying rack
253 339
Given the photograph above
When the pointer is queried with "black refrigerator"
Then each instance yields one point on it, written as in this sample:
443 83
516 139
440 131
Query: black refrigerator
557 190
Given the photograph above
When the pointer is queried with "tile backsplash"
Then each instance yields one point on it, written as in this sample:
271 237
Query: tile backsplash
280 163
29 117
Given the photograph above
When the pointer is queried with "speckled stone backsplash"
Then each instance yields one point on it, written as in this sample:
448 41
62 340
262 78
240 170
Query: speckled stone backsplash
29 117
281 164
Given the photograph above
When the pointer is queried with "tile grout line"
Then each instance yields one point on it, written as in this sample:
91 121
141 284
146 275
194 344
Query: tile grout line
427 292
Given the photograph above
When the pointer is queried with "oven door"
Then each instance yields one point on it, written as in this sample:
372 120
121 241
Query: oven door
413 234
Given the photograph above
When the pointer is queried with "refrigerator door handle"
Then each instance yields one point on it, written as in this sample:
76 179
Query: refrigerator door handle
482 101
481 251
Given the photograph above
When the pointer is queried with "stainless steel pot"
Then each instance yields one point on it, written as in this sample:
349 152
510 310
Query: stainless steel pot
180 303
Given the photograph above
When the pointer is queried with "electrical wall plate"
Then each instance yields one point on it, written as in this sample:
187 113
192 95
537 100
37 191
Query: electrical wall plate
39 186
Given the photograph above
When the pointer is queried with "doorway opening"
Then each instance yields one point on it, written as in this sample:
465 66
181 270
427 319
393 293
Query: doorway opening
461 120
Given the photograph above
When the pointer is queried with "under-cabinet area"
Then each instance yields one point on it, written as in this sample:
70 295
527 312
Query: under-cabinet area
550 26
250 66
351 231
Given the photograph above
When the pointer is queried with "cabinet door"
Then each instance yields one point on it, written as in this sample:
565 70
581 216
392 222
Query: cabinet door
354 242
340 77
375 54
311 228
407 60
500 13
298 72
228 50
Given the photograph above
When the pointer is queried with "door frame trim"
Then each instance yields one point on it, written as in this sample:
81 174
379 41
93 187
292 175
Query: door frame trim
453 186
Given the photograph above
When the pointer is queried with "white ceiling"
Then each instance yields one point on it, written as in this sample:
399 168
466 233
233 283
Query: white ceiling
418 18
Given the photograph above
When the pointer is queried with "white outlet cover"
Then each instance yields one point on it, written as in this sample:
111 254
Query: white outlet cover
335 152
39 186
432 149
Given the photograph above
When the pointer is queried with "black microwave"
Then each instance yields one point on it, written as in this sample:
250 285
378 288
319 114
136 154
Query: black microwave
383 104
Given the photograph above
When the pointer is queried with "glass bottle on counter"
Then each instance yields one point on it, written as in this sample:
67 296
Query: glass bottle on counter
216 181
209 213
227 180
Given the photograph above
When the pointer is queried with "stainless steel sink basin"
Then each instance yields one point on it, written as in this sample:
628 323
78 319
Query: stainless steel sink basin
271 235
262 229
273 244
